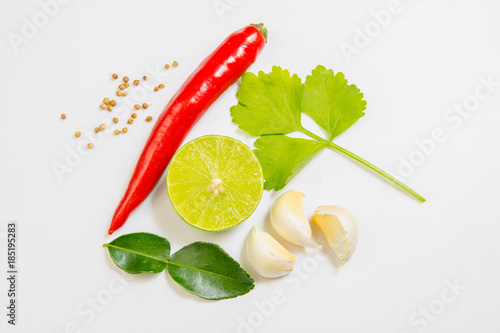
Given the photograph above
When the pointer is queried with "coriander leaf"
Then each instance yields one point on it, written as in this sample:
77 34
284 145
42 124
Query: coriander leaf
269 103
331 102
283 157
139 252
206 270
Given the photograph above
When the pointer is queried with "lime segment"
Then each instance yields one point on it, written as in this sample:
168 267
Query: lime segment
214 182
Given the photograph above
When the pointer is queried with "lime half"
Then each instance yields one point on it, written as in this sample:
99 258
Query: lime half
214 182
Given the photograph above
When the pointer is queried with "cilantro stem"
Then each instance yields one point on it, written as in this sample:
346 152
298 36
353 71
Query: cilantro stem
361 160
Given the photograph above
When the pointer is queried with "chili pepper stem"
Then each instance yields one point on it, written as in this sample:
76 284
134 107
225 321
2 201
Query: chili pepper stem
262 29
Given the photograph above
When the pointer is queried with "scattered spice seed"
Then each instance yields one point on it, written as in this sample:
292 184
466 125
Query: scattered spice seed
77 134
167 66
145 106
161 86
124 93
175 64
125 79
63 116
102 127
145 78
149 118
130 120
157 88
118 93
121 86
124 130
90 145
96 129
134 115
102 106
106 101
136 82
114 76
137 106
115 120
113 102
117 132
110 108
127 84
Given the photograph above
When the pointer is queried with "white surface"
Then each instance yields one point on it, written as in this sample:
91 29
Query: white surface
430 56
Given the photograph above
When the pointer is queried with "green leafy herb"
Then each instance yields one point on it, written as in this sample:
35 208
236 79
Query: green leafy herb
271 105
221 275
203 269
140 253
279 165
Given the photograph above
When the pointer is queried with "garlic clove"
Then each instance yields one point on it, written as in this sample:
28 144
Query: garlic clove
267 256
290 221
340 229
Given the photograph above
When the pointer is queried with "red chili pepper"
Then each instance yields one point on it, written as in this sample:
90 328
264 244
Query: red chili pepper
212 77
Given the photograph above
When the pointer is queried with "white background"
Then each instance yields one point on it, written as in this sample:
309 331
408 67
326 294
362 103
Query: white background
430 56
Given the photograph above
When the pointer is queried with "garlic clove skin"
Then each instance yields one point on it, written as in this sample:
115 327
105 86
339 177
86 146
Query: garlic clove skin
340 229
267 256
290 221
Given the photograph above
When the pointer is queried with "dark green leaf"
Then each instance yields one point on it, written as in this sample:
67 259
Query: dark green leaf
206 270
269 103
283 157
140 252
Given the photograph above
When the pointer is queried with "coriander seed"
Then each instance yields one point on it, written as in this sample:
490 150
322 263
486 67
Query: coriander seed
149 118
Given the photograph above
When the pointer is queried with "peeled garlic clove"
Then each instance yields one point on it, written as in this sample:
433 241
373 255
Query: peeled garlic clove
340 229
267 256
290 221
